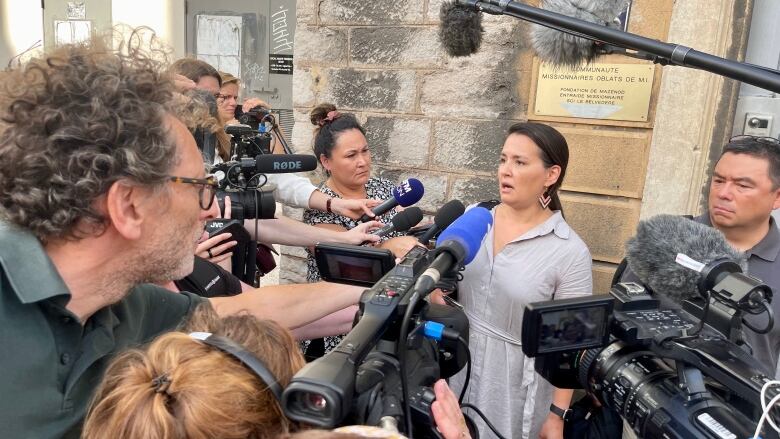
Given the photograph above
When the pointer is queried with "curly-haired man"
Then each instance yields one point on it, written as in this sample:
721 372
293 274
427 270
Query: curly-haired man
102 190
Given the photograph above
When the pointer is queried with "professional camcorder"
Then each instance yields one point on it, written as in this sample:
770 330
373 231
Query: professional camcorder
383 371
667 372
360 381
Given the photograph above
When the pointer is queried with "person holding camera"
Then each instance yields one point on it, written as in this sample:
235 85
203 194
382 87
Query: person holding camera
743 192
530 254
291 189
103 192
341 146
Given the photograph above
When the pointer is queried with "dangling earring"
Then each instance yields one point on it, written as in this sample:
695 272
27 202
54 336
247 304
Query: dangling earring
545 199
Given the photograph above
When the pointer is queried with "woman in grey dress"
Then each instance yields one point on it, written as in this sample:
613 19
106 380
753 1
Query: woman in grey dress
529 255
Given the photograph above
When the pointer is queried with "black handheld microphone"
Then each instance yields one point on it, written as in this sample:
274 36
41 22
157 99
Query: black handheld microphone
402 221
444 217
405 194
652 254
284 163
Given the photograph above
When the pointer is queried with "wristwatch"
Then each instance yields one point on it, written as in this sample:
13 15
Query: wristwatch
561 413
327 205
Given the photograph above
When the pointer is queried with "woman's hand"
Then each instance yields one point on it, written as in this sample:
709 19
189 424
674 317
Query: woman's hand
446 412
250 103
183 83
362 233
401 245
552 427
353 208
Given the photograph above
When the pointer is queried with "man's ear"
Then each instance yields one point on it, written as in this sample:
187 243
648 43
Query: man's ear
122 209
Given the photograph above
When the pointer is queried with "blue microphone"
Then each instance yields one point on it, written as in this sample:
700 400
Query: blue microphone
457 245
405 194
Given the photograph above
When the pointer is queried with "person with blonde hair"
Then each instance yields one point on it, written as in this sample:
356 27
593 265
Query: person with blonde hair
182 387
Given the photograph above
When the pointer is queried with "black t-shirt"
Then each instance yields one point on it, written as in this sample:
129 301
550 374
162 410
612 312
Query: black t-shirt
209 280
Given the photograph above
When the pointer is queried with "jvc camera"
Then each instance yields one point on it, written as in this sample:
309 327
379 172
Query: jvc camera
667 372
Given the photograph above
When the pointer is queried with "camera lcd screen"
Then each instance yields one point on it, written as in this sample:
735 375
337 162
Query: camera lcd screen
571 329
352 269
352 264
567 325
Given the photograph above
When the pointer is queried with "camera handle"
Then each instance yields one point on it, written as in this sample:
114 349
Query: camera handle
691 381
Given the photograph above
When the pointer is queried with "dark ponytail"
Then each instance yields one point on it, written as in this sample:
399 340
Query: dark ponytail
554 151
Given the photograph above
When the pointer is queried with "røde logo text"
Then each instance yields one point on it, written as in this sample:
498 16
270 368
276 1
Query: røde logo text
296 164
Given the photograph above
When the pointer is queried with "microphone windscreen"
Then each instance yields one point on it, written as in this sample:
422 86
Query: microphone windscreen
448 213
560 48
407 218
284 163
468 231
460 31
651 254
408 192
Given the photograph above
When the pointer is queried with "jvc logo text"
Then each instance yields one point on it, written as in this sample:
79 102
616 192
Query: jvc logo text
288 165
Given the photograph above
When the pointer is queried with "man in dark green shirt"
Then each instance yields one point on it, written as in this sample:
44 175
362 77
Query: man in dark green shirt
102 192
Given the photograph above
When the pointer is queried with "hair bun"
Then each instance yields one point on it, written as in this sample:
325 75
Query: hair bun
322 113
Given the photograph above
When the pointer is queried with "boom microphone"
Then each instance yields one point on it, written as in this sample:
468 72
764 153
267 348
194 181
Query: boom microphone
284 163
458 244
402 221
652 254
561 48
405 194
444 217
460 31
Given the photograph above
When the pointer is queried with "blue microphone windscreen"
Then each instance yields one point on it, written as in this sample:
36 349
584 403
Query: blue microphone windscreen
468 230
408 192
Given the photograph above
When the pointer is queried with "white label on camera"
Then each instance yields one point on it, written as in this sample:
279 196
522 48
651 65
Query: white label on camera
715 426
688 262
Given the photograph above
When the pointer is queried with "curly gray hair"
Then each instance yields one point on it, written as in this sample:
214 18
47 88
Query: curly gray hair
74 122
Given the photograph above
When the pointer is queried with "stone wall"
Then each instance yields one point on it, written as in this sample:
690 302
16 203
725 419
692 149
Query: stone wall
437 119
442 120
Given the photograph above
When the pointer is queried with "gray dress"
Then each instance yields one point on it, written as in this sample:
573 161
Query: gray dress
548 262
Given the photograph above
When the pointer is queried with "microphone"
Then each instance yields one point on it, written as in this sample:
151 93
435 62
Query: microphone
652 254
405 194
458 244
444 217
561 48
460 32
461 29
284 163
402 221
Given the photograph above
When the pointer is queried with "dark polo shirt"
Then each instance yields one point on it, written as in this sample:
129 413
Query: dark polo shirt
50 364
764 264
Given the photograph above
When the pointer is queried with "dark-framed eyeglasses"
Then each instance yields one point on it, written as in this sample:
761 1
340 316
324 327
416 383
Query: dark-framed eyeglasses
220 97
760 139
208 188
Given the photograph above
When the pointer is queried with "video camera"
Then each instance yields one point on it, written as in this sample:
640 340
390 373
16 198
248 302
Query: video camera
359 382
398 338
667 372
